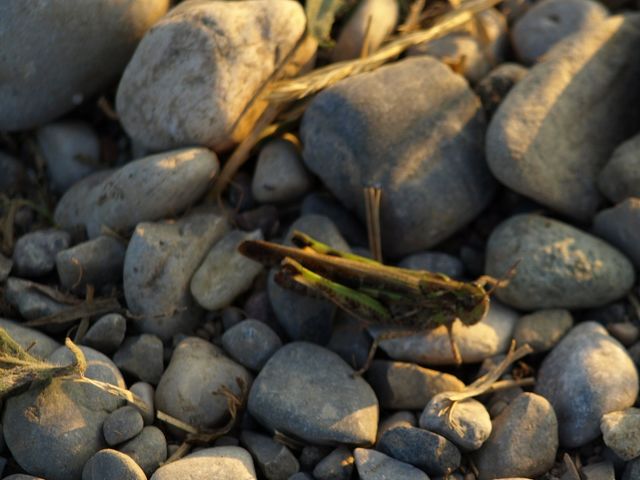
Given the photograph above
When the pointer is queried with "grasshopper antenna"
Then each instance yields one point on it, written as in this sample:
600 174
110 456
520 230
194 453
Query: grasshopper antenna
498 282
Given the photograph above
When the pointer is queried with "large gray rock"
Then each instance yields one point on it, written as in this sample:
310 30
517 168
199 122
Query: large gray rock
620 177
558 266
620 226
221 463
585 376
56 54
207 46
420 141
52 429
524 150
309 392
161 259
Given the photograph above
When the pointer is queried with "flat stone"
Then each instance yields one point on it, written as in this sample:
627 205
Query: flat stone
541 330
35 253
161 259
523 440
141 356
39 344
121 425
30 302
61 53
225 273
468 425
221 463
586 375
112 465
550 21
374 465
338 465
526 153
274 460
107 334
621 432
400 385
150 188
476 342
212 56
251 343
308 392
349 144
619 226
558 266
198 370
148 449
620 177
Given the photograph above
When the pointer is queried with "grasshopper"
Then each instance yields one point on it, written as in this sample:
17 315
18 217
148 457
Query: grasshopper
373 292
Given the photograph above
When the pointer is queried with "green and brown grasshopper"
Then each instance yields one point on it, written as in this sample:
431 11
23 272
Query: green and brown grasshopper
373 292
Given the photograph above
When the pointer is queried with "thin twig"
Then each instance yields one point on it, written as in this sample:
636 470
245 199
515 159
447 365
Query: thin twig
372 197
99 306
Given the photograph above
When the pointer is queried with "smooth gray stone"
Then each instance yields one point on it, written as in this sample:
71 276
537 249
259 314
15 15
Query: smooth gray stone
468 425
310 455
434 262
598 471
142 356
305 317
542 329
374 465
149 189
71 151
161 259
39 344
426 450
112 465
274 460
309 392
96 262
523 441
550 21
148 449
495 86
221 463
121 425
107 334
225 273
196 372
338 465
349 143
400 385
585 376
558 266
620 226
213 60
620 177
146 393
280 176
525 152
35 253
402 418
621 432
30 302
325 204
60 53
22 476
251 343
350 340
53 429
73 209
13 174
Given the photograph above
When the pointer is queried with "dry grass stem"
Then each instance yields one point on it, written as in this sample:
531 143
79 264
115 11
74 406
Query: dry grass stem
99 306
372 197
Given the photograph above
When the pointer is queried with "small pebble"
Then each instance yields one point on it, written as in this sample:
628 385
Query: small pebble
121 425
403 418
107 334
426 450
495 86
467 425
274 459
221 463
141 356
311 455
338 465
251 343
112 465
408 386
374 465
30 302
620 177
146 393
148 449
625 332
621 432
280 175
73 209
619 225
598 471
35 253
541 330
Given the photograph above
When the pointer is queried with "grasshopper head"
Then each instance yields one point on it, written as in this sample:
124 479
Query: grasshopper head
473 304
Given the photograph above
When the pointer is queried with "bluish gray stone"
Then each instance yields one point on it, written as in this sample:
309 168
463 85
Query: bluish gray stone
148 449
353 137
107 334
309 392
402 418
374 465
146 393
558 266
620 177
29 300
585 376
338 465
221 463
550 21
598 471
434 262
325 204
112 465
73 209
35 253
142 356
121 425
543 329
274 460
251 343
621 432
620 226
426 450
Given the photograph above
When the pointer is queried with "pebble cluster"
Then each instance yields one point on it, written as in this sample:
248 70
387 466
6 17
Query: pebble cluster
511 144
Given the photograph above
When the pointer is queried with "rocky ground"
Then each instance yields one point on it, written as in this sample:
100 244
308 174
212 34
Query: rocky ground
510 141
